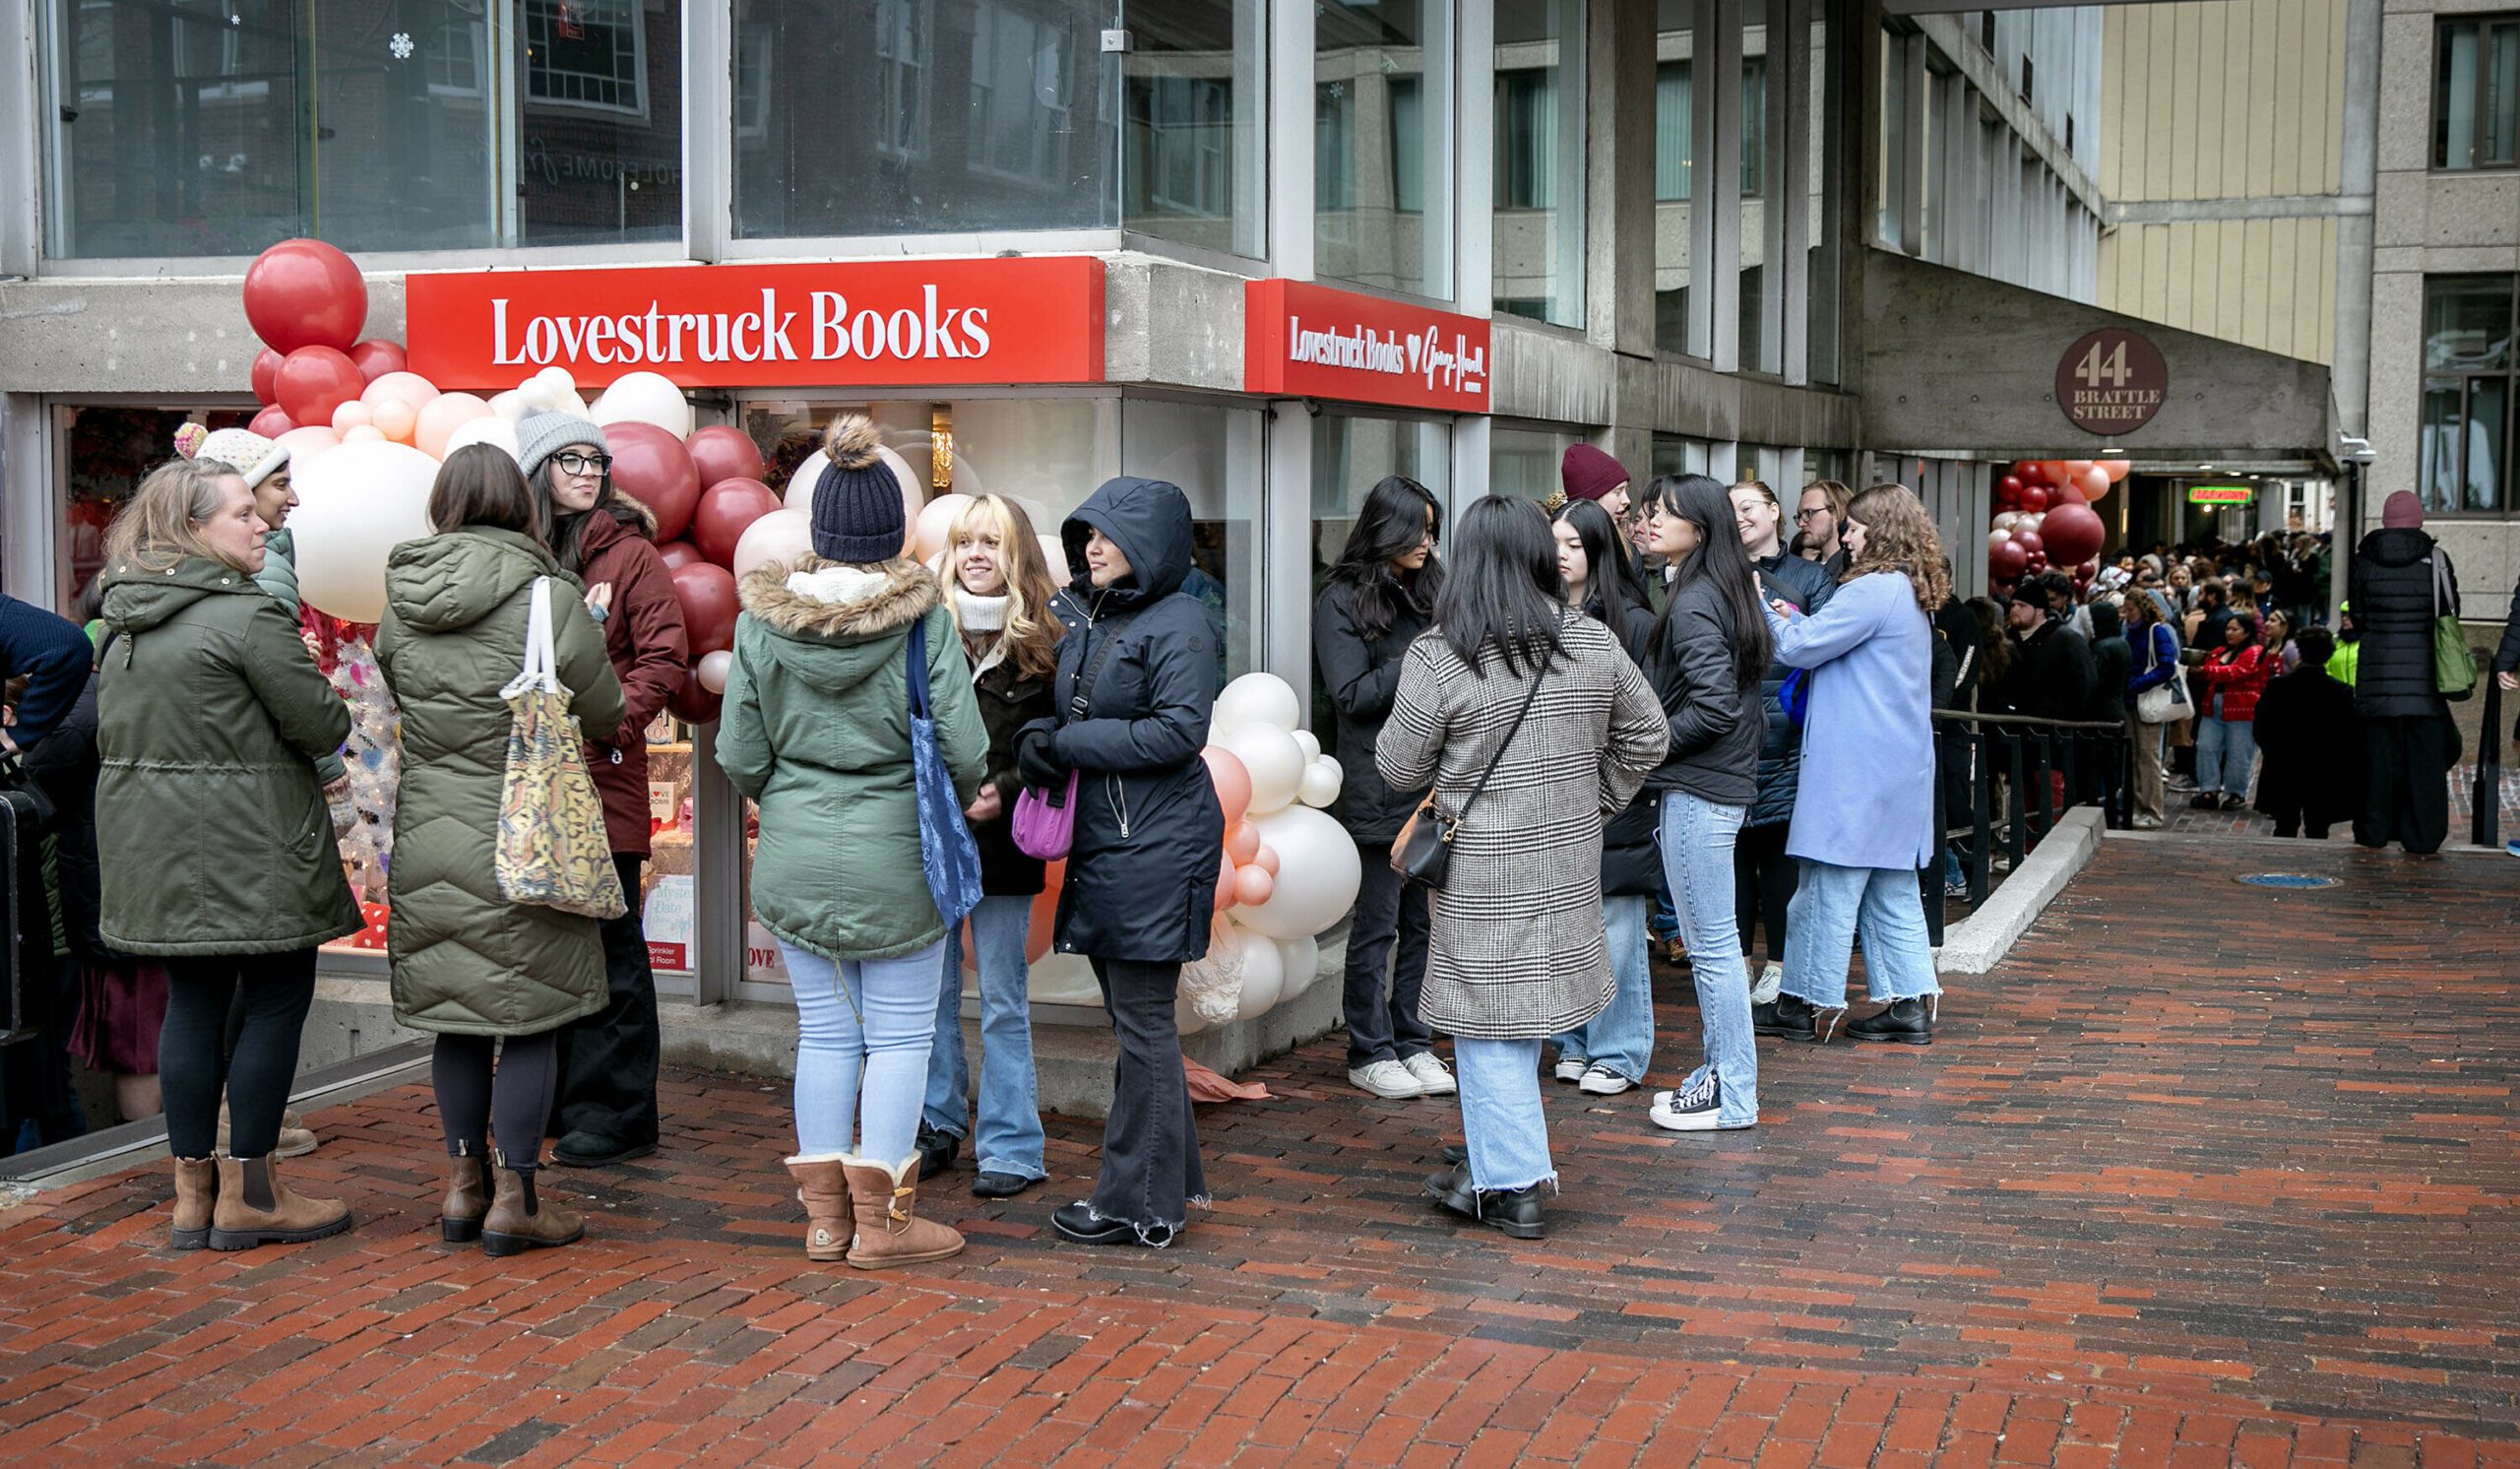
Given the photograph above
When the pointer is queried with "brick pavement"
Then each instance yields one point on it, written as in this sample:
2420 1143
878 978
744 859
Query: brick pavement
2240 1190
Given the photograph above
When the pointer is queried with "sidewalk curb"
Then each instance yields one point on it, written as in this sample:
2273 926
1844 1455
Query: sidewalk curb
1978 942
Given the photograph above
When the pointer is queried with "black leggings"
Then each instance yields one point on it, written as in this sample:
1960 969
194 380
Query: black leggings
270 996
514 1096
1763 882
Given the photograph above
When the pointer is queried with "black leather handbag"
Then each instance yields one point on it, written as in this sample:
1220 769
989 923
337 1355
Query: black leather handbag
1422 853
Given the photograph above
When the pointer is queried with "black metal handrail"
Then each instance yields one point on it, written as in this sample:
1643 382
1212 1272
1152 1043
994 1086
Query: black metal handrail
2484 818
2095 757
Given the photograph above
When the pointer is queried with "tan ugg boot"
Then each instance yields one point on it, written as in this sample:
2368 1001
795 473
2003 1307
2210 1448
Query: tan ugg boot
468 1200
822 1187
256 1208
889 1231
518 1220
196 1196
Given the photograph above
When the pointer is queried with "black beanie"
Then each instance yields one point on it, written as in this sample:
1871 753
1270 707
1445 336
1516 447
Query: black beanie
857 503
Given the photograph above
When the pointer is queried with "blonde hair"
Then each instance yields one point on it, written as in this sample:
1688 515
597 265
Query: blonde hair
1032 633
162 525
1899 535
1841 497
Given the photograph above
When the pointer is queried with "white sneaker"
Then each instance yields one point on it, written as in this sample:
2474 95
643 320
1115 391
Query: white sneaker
1387 1079
1431 1074
1571 1068
1771 983
1602 1081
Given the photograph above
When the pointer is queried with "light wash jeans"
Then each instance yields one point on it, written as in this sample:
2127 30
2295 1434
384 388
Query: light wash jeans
1010 1122
1698 837
1621 1037
1501 1118
883 1056
1832 903
2224 751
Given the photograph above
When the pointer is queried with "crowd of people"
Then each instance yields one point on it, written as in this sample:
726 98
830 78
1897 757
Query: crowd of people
1571 730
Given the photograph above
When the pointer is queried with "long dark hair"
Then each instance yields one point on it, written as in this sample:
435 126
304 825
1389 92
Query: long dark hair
564 529
1706 505
1502 591
1395 518
1609 589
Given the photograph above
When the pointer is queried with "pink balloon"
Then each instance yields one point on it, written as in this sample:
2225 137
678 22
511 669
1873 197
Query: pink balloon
712 669
1252 886
441 416
351 415
1241 841
1266 858
410 387
365 433
1232 783
395 419
1224 882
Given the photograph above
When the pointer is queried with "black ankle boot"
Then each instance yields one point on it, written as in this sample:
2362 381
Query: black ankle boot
1789 1017
1517 1212
936 1151
1908 1022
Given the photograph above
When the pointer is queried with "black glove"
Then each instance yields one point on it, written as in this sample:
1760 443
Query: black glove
1035 764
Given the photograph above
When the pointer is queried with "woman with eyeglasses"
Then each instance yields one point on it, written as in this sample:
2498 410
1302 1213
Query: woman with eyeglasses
607 1107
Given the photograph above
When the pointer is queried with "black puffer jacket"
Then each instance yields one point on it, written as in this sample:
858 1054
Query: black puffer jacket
1142 870
2394 607
1806 585
1009 700
1631 851
1716 729
1361 674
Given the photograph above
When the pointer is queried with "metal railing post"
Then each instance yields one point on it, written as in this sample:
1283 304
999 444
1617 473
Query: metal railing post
2485 820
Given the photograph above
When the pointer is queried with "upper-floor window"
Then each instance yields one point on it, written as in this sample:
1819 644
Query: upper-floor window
2475 93
1020 91
2470 366
905 30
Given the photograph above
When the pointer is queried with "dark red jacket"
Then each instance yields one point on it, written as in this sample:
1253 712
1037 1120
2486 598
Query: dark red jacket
2238 675
645 640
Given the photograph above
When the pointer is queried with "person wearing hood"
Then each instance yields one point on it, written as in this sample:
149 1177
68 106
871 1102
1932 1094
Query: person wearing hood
481 973
2401 580
1135 684
607 1107
211 717
817 729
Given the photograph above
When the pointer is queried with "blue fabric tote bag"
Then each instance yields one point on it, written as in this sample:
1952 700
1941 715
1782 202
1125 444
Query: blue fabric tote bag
947 854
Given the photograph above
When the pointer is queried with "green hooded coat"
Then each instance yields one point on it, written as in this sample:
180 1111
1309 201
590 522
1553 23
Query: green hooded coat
816 729
212 833
465 960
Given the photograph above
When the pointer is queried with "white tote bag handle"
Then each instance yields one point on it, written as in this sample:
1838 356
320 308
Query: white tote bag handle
2440 582
540 658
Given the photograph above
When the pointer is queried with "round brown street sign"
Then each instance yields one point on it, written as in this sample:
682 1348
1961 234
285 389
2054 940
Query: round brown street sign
2111 382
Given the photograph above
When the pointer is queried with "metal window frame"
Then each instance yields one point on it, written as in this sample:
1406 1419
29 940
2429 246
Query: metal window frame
2506 472
2436 146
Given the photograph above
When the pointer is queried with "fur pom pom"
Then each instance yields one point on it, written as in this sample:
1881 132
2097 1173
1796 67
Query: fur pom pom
850 441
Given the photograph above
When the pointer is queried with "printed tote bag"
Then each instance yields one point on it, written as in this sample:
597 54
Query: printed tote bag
552 850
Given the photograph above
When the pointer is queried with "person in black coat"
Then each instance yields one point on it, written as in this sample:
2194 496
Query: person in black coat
2052 672
1764 878
2401 581
57 883
1377 599
1135 686
53 656
2112 664
2311 742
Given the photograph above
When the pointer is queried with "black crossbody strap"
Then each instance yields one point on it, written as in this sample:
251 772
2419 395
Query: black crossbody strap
1081 697
1538 678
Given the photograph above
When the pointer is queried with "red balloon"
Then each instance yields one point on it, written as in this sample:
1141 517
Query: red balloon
721 453
652 466
377 356
304 292
271 422
2029 542
709 605
266 376
315 380
2033 497
2072 533
2006 563
691 703
2069 494
2053 471
2038 560
725 510
2009 485
680 553
2026 470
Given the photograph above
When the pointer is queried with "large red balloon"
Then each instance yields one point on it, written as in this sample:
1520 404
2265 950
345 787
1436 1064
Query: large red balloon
377 356
709 606
2033 497
721 453
692 704
315 380
680 553
725 510
652 466
2006 563
266 377
2072 533
271 422
303 293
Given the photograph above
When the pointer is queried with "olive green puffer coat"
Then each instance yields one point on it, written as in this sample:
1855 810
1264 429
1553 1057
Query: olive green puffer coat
212 833
817 729
467 959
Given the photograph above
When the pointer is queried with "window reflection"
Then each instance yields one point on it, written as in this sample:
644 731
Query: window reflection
1540 160
1382 155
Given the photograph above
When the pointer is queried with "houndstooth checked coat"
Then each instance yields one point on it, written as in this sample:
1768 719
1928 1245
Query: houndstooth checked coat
1516 951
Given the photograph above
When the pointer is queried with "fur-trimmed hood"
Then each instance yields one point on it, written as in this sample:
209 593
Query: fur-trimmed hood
835 644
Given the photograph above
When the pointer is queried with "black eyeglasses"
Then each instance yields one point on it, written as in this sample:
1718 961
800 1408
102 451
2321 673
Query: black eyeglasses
581 463
1799 516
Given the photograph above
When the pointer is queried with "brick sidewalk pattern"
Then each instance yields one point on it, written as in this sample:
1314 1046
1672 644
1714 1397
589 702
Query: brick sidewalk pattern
2203 1175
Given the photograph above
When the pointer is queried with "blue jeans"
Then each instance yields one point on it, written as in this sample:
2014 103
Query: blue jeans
1501 1118
1621 1037
1832 903
2224 751
1010 1124
1698 839
881 1057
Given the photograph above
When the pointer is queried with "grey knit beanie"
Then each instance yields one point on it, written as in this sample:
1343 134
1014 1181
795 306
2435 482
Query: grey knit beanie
544 434
857 503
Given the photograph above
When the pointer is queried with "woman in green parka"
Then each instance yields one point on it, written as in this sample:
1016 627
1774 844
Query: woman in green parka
214 845
481 972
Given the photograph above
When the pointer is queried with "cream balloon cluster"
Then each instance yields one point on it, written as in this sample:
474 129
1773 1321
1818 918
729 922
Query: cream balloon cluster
1288 869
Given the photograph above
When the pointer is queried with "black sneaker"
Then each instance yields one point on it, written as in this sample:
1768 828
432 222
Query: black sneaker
1789 1016
1698 1109
936 1151
1000 1186
1908 1022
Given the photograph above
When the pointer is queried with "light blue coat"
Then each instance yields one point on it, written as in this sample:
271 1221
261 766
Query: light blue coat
1866 799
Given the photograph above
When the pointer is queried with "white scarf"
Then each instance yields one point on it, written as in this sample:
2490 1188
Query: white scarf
980 613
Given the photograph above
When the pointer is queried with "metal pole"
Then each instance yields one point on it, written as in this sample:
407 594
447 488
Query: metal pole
2485 820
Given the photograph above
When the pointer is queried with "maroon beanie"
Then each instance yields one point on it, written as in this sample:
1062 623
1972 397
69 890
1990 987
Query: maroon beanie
2401 511
1589 474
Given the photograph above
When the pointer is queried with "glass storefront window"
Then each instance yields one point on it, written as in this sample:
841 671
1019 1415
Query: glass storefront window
1350 454
1193 150
1540 160
1675 455
1675 142
1382 160
183 129
1524 461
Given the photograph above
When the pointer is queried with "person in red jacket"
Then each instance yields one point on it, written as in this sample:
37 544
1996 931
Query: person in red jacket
2226 715
607 1107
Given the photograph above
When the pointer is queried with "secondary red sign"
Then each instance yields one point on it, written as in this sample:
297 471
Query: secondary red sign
1306 341
1012 321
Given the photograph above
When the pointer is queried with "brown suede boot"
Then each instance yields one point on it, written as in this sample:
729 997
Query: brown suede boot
822 1187
256 1208
296 1139
196 1196
518 1220
468 1199
889 1232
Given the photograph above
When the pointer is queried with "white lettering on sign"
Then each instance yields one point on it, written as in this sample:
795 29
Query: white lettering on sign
1459 368
667 339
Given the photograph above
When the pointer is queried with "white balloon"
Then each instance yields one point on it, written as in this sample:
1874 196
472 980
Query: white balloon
1255 699
355 504
913 491
645 398
1211 986
1320 784
1317 874
1054 555
2007 520
555 381
1303 960
936 527
511 405
781 535
494 431
801 485
712 670
1264 977
1308 743
1270 754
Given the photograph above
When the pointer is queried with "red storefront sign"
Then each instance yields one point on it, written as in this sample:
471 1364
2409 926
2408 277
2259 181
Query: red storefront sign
1014 321
1306 341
